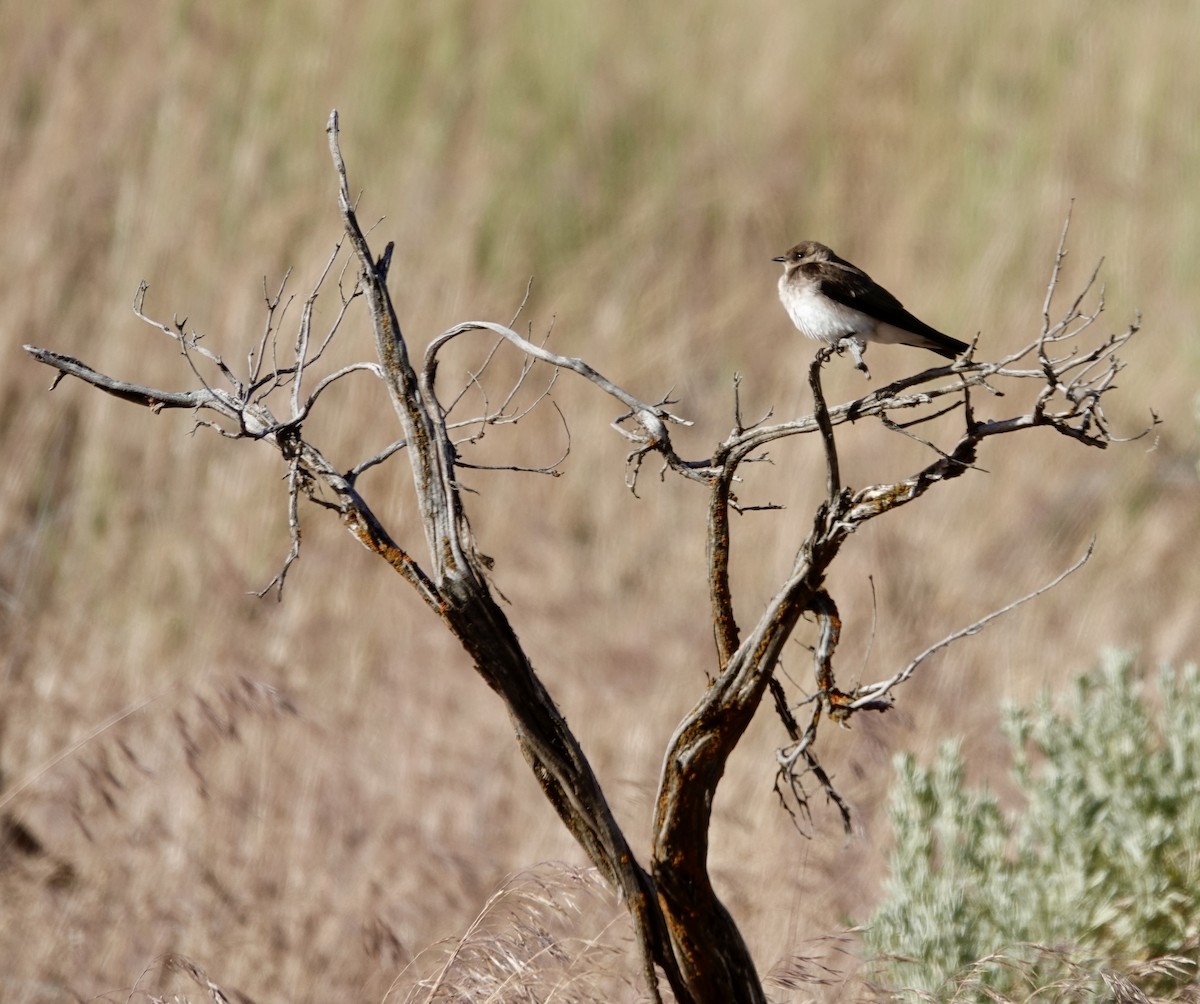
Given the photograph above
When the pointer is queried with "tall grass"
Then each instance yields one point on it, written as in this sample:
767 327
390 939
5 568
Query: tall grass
643 164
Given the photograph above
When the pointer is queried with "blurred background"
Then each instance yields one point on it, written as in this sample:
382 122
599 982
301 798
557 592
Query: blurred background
303 796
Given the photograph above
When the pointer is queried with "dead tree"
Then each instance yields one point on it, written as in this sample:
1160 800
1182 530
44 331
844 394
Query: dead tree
684 931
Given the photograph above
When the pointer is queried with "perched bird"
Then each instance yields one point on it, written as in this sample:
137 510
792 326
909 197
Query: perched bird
829 299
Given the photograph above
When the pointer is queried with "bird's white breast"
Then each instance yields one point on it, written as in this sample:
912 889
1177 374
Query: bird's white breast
819 317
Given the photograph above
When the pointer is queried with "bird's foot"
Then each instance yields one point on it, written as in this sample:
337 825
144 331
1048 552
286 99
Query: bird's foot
856 348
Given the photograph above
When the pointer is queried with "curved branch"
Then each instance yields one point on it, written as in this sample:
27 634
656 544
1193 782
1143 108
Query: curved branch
653 418
874 692
325 382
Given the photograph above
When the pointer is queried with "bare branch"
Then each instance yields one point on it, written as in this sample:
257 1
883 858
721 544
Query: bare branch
652 419
903 430
328 381
1059 255
655 415
187 343
551 469
379 458
833 477
277 581
876 691
302 337
255 358
150 397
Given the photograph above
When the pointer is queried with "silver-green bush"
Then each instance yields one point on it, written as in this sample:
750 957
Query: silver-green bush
1095 877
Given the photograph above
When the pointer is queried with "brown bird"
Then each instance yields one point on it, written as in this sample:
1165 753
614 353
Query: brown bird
829 299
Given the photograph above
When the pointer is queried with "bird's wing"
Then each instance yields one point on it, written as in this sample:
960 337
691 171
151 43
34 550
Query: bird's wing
852 287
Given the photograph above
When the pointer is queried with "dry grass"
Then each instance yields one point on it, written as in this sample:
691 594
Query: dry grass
1041 974
644 165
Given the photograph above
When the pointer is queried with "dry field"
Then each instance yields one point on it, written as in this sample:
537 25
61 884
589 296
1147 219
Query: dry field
305 797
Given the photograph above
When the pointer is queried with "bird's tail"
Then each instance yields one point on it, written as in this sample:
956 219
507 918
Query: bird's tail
935 341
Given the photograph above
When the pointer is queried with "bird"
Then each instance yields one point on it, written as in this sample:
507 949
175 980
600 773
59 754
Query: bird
831 300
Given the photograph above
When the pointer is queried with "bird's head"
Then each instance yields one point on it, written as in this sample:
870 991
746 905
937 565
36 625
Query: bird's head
802 254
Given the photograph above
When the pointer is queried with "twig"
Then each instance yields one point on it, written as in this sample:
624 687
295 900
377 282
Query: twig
874 691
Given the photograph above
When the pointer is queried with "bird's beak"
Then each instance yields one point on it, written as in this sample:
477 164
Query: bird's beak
781 258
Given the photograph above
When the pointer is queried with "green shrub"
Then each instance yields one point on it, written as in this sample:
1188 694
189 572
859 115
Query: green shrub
1096 874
